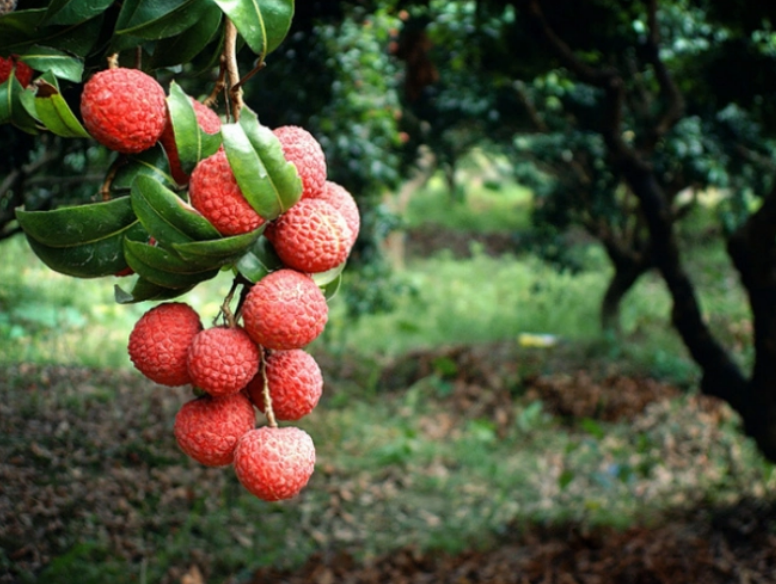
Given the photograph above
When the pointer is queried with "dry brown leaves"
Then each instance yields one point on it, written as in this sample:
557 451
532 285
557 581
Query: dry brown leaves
687 550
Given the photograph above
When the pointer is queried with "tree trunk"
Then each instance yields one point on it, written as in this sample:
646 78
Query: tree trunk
626 274
721 376
753 251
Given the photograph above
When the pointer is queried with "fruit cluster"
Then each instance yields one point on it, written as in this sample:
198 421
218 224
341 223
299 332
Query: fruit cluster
254 358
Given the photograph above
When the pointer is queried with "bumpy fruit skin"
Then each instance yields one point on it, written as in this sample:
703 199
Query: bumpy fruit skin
302 149
295 384
274 463
214 192
124 109
208 428
22 71
285 310
159 342
210 123
339 197
222 360
312 236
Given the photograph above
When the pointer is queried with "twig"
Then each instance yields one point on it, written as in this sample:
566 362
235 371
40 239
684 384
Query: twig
230 52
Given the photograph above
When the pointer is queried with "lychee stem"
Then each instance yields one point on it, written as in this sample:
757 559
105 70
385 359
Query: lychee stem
113 61
230 51
105 188
265 392
226 311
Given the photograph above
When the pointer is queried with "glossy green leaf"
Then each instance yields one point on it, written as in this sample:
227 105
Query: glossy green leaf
331 288
19 31
192 142
19 28
262 23
269 183
158 266
62 65
161 18
164 260
54 112
166 216
74 11
144 290
151 162
220 251
70 226
325 278
184 47
12 106
259 260
98 258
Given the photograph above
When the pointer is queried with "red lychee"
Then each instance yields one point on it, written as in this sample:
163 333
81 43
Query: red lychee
302 149
124 109
295 384
159 342
214 192
210 123
285 310
208 428
274 463
222 360
22 71
312 236
339 197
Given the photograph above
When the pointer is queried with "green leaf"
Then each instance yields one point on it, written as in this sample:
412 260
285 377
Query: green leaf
220 251
184 47
158 266
69 226
144 290
165 261
62 65
192 142
19 31
331 287
259 260
74 11
13 108
166 216
18 28
97 258
161 18
262 23
54 112
269 183
329 276
151 162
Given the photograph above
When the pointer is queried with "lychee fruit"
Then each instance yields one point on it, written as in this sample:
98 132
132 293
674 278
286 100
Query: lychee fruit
312 236
295 384
339 197
210 123
160 340
302 149
208 428
274 463
285 310
222 360
22 71
214 192
124 109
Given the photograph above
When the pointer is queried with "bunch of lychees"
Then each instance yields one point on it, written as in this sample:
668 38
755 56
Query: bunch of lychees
255 357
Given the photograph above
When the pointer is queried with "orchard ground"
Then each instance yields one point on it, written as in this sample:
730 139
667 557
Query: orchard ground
449 448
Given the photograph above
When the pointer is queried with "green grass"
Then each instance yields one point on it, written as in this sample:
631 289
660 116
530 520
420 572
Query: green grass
493 205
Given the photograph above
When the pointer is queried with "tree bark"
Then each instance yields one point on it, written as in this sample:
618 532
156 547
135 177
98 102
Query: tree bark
626 273
721 376
753 251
